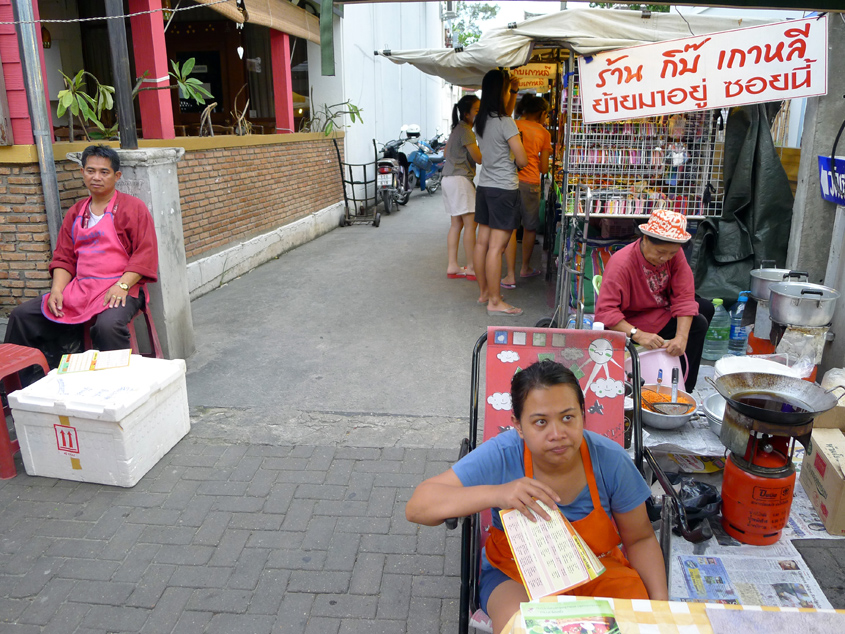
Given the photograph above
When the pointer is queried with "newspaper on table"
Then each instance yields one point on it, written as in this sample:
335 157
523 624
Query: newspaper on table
724 570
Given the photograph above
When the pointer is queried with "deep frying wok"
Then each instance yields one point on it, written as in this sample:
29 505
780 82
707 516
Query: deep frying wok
797 392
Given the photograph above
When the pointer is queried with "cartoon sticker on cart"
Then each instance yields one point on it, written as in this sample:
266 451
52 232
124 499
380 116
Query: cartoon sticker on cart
600 353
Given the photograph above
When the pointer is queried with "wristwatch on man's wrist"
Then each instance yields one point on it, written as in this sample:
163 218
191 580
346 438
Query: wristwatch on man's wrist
125 287
632 333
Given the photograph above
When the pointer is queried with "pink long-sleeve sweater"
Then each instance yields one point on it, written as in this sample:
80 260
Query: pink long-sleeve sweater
645 295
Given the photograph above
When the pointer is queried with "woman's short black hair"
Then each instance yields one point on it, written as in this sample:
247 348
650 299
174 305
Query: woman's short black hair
541 375
532 104
103 151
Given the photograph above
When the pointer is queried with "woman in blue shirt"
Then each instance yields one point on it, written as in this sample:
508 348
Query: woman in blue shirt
550 457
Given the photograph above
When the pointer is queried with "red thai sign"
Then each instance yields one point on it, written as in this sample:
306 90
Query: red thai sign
771 62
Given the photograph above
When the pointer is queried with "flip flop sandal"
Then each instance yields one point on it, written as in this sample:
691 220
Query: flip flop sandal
471 277
533 273
456 276
508 286
510 312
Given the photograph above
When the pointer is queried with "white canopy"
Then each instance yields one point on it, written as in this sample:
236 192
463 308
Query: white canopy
584 31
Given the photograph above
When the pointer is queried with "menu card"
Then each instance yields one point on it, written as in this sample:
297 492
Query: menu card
550 554
94 360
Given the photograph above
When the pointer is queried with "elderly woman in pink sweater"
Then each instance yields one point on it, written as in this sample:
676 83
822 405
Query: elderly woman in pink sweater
648 293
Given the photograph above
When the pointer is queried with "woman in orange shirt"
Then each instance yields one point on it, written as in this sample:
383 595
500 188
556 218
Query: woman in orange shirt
533 112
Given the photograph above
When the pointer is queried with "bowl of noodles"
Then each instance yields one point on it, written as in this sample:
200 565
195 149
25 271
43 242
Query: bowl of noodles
651 394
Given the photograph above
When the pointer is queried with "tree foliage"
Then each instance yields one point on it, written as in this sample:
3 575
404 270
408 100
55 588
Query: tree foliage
654 8
465 28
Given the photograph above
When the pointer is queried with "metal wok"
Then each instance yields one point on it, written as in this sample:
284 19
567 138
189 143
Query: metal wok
797 392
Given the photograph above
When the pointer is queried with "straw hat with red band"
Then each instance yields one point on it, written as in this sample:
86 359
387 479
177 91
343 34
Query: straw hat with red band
668 225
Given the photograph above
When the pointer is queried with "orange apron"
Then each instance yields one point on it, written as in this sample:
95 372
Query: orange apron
618 581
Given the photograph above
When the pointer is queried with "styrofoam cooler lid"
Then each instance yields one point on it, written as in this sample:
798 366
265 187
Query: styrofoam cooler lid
106 395
732 365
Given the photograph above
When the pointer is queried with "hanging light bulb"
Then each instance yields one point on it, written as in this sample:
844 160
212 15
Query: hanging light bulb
46 38
241 52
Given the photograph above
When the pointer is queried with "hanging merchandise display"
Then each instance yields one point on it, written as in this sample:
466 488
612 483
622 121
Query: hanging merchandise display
620 171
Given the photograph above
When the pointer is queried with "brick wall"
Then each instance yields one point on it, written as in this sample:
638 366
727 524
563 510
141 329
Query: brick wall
228 195
24 239
232 194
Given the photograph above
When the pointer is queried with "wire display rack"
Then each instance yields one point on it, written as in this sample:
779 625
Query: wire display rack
618 172
631 166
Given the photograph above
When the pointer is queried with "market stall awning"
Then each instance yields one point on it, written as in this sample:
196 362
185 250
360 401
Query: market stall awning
280 15
584 31
796 5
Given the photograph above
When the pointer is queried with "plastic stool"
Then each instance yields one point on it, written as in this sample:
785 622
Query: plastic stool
13 359
133 339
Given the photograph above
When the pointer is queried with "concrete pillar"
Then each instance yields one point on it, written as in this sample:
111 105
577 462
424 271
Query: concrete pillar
282 83
813 217
151 55
150 174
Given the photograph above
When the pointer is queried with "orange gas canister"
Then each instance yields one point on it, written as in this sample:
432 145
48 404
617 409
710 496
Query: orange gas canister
755 508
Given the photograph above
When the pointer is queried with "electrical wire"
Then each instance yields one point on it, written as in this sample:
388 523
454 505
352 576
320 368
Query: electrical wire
689 28
115 17
834 178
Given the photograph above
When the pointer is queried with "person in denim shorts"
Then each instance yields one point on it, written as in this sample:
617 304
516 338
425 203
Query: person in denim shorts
497 195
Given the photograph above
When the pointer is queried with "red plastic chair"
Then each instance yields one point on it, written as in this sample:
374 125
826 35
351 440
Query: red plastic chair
13 359
156 352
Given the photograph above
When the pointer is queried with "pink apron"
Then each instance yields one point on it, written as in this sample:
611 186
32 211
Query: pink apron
101 260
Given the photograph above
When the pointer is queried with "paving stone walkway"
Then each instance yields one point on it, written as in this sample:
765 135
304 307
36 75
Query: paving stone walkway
231 538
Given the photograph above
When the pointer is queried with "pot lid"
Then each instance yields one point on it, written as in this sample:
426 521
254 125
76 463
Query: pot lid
770 274
804 290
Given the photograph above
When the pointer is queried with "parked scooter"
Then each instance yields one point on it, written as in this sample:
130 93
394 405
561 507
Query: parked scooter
393 151
388 178
438 142
426 169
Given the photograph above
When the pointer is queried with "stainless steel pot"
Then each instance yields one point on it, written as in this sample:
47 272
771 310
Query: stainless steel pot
665 421
763 278
802 304
714 410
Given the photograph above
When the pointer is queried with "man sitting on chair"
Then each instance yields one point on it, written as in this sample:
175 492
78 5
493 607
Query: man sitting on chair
105 254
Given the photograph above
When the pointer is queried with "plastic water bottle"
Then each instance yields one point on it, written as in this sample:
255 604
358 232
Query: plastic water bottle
586 323
739 335
718 334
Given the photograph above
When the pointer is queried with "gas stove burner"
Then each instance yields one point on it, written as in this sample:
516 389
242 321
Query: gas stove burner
765 415
738 430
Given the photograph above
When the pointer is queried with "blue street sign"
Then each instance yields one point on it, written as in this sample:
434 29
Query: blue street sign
826 179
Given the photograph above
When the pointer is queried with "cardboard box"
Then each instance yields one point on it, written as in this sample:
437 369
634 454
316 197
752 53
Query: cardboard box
831 419
823 477
104 426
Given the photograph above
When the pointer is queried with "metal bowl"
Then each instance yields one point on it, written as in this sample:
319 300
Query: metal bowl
714 410
664 421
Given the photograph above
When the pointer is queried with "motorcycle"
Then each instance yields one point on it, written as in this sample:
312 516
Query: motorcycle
426 168
438 142
388 173
393 152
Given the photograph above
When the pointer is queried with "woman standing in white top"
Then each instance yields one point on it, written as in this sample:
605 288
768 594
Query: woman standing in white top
497 205
462 155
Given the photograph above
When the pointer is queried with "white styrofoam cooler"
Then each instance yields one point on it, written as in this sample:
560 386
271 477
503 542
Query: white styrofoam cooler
105 426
